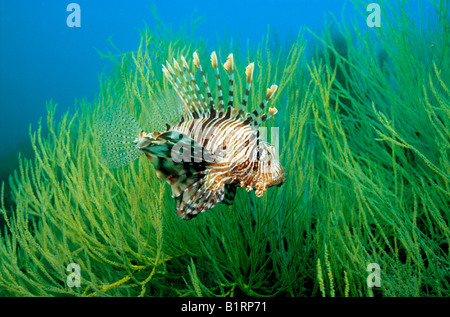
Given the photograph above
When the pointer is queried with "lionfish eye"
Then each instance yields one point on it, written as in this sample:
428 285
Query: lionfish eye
262 154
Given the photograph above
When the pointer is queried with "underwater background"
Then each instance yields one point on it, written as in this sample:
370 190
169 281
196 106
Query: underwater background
364 115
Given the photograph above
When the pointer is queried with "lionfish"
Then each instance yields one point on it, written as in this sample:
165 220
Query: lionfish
207 154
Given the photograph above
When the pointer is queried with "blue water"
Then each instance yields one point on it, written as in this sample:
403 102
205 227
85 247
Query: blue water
41 58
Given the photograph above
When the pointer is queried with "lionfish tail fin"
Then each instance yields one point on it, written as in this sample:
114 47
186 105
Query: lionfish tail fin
117 132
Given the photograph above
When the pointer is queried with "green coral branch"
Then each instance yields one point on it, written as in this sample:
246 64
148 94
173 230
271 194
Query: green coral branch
366 149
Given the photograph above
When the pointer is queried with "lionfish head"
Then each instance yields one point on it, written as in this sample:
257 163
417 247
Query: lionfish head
270 171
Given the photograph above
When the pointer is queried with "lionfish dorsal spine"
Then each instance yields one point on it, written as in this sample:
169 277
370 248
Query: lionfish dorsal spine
272 112
255 115
229 66
249 78
181 88
205 82
195 90
198 106
215 65
168 72
195 106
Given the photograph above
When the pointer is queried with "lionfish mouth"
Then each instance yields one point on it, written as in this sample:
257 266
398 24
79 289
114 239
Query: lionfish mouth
280 179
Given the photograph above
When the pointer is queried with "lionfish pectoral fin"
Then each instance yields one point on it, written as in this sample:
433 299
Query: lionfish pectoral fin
198 197
185 166
230 194
179 174
180 183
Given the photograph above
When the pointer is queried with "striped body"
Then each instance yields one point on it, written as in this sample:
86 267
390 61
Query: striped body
211 151
234 145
